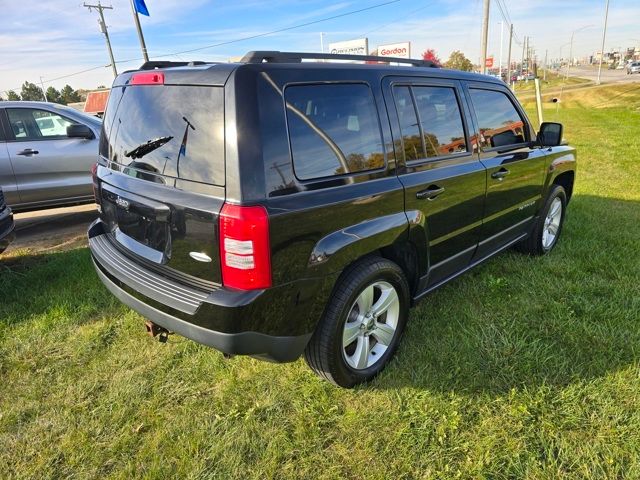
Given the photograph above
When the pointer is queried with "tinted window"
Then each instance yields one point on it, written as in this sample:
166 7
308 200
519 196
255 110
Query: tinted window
174 132
499 122
411 141
31 124
334 130
440 120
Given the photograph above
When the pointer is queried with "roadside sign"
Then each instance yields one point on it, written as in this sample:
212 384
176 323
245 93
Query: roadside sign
359 46
488 62
400 50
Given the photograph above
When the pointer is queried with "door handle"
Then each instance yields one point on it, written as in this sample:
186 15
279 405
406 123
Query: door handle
500 174
27 152
430 193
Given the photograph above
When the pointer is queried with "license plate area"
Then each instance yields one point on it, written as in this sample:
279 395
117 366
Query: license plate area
137 223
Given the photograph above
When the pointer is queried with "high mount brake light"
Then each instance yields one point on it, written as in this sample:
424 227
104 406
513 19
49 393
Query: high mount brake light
147 78
245 253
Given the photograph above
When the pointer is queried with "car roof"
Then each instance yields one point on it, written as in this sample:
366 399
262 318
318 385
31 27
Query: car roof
63 109
217 74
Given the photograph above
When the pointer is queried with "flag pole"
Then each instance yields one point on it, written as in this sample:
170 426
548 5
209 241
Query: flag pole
140 36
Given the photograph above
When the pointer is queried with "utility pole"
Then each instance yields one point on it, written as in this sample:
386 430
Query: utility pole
604 35
485 34
44 94
103 29
546 54
524 45
501 42
526 56
509 55
140 36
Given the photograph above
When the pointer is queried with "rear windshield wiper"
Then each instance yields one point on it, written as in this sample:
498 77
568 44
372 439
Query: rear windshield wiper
148 147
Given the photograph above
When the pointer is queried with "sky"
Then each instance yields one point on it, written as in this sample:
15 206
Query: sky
55 38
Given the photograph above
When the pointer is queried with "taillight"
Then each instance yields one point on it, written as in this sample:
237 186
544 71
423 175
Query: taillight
245 254
147 78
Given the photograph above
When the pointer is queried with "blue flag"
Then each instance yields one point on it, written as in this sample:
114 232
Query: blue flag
141 7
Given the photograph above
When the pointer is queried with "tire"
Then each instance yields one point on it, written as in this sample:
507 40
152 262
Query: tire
540 241
349 364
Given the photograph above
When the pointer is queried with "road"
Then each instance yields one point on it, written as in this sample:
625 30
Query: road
607 76
57 228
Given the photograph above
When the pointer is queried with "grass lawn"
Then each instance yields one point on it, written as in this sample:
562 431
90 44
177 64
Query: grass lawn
554 81
522 368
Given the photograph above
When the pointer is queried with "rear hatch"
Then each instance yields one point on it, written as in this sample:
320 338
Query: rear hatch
161 179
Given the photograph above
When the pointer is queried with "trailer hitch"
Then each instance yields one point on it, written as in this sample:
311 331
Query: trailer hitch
154 330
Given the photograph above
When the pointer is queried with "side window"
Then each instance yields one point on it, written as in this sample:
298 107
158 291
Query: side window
411 138
333 130
441 120
499 122
32 124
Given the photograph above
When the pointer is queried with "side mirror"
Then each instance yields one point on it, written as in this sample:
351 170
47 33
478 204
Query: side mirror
550 134
77 130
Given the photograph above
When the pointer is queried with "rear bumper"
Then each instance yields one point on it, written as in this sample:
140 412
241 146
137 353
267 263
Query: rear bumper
274 324
7 234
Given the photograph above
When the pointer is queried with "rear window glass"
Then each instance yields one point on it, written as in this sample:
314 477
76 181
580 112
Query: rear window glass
334 130
175 132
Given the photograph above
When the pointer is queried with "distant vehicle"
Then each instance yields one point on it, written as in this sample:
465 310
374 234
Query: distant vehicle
6 224
50 150
633 68
345 194
620 66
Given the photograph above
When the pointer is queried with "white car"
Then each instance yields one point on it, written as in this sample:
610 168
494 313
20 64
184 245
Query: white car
633 68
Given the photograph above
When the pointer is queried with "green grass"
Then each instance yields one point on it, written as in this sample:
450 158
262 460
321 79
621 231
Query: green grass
523 368
554 82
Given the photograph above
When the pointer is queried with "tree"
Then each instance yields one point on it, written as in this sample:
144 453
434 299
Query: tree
458 61
69 95
30 91
53 95
13 96
431 55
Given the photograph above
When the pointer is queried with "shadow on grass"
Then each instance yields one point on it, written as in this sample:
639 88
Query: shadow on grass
56 285
520 321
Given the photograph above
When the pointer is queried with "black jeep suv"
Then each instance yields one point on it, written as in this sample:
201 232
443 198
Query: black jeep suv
275 207
6 224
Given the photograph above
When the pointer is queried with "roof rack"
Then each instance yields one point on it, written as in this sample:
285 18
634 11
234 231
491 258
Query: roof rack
297 57
152 65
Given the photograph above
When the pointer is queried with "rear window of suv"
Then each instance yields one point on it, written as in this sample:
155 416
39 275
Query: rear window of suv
333 129
174 132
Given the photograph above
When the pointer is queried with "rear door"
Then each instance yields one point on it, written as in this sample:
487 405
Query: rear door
515 170
7 178
48 166
443 179
162 177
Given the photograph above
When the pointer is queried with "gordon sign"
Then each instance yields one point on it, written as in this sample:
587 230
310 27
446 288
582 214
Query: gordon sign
399 50
350 47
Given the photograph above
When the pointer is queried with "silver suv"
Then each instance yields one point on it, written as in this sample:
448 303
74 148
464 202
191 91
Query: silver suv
633 67
46 154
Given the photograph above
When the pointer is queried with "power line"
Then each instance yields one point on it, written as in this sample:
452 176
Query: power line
280 30
396 19
242 39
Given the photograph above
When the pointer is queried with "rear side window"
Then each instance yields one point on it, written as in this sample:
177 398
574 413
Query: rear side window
409 125
499 122
174 132
440 120
430 121
333 130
